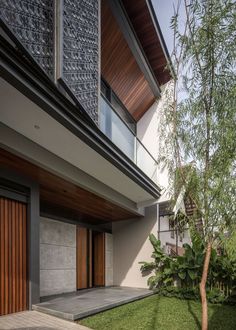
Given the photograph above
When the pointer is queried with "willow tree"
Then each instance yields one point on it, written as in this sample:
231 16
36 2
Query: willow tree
202 117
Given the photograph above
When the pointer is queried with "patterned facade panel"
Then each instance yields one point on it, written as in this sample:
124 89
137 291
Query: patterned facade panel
32 23
81 52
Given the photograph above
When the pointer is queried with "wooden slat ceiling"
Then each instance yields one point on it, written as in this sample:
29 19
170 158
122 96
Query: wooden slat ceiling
63 196
142 23
120 69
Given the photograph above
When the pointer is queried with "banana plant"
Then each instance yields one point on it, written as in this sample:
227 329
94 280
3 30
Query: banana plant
186 270
162 266
189 266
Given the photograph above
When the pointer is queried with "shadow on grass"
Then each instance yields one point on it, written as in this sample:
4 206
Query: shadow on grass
196 319
219 317
33 328
155 315
223 317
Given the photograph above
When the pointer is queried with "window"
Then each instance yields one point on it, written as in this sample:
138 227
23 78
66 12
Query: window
105 89
118 106
172 227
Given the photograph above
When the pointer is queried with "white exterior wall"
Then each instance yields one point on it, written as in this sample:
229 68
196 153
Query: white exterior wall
57 257
108 259
130 246
147 129
148 132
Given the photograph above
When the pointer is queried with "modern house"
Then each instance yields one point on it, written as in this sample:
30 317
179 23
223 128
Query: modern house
80 93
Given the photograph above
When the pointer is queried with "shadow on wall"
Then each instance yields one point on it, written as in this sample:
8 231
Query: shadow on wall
129 238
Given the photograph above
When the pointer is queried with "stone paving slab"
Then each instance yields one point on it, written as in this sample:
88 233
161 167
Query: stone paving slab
32 320
84 303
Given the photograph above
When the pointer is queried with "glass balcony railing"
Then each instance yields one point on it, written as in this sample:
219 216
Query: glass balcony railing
120 134
145 161
117 131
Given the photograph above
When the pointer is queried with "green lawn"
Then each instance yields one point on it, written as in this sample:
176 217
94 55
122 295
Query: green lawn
162 313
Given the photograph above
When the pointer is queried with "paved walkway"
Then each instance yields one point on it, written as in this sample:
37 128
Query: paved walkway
32 320
83 303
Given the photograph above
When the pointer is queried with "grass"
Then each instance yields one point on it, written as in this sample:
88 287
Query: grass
162 313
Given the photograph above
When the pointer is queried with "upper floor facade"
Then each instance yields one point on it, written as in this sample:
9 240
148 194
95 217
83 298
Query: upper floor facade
80 79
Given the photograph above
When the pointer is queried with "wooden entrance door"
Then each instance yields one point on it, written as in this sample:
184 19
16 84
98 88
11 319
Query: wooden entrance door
13 256
82 257
98 259
90 258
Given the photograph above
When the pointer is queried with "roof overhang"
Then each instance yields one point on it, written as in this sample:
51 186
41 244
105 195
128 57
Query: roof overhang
144 22
136 22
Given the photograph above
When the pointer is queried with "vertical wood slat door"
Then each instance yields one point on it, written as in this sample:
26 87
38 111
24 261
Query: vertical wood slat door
13 256
98 259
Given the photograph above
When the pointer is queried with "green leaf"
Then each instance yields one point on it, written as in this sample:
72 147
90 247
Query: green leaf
168 280
182 275
192 274
147 266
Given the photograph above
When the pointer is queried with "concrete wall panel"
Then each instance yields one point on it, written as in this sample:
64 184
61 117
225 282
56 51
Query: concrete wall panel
57 257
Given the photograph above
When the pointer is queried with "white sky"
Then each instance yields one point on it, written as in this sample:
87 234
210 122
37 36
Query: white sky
164 11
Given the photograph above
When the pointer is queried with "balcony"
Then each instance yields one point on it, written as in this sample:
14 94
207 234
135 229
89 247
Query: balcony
122 136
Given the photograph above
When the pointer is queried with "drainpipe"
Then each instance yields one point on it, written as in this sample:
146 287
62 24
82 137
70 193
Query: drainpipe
176 232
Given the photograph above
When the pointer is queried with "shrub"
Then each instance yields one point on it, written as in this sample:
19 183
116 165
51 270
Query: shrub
185 272
214 296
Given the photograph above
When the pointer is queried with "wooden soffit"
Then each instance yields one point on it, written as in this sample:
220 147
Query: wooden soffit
120 69
146 27
64 197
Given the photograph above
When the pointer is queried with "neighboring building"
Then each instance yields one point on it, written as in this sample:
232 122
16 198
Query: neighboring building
170 232
80 93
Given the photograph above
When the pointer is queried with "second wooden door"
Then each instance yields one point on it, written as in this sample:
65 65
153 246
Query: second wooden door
90 258
98 259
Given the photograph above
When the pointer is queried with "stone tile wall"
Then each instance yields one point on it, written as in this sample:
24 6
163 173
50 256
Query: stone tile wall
57 257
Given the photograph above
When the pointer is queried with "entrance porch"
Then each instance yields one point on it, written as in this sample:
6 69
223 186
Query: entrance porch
80 304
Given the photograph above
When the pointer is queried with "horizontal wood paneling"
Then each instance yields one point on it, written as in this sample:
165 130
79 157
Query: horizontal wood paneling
141 20
60 193
13 257
120 69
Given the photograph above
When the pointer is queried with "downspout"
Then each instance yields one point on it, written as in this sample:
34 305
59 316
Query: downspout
176 233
